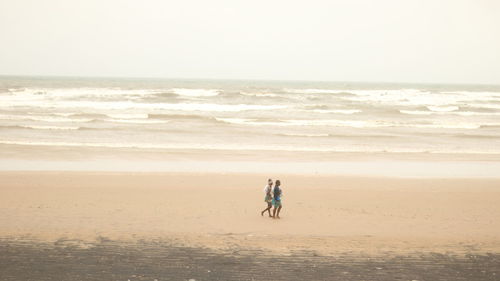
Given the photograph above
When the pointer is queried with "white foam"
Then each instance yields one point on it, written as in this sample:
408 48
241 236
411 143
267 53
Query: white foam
138 121
460 113
13 117
316 91
485 105
57 93
62 114
50 127
260 94
57 119
195 92
358 123
472 113
443 108
475 94
417 112
44 118
129 105
337 111
406 97
306 135
129 116
334 123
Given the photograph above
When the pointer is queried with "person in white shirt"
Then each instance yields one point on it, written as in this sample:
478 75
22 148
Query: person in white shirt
269 198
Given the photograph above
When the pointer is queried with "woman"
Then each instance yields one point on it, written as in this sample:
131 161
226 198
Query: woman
277 193
268 197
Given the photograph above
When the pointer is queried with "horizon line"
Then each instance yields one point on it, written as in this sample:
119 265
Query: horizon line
242 79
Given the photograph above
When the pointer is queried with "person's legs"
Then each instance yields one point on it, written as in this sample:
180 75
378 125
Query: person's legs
268 209
278 214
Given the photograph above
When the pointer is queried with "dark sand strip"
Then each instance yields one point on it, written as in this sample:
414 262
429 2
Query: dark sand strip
158 260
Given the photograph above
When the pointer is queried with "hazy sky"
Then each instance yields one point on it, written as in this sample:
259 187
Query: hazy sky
386 40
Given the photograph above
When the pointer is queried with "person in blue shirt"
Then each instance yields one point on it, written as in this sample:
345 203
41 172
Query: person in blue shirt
277 194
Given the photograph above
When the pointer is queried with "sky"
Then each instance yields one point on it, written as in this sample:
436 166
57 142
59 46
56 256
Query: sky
438 41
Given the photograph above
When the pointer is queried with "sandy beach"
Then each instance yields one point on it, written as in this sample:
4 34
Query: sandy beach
328 214
214 215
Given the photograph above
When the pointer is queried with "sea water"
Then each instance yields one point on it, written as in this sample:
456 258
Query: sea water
170 114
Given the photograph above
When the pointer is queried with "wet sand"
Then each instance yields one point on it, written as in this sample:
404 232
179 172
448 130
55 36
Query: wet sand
358 164
179 226
157 260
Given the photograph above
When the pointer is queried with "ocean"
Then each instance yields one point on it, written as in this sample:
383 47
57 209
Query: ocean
171 114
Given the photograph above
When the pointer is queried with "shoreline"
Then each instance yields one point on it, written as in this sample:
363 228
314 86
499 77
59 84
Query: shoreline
82 152
360 164
375 169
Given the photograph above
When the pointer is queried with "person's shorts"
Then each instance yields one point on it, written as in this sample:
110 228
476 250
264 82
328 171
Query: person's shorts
277 203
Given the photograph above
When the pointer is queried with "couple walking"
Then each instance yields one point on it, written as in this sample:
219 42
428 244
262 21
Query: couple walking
273 198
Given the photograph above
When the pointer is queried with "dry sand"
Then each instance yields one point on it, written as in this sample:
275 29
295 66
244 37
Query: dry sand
324 214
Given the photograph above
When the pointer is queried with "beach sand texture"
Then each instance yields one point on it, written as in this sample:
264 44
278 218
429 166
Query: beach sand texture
402 214
216 215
